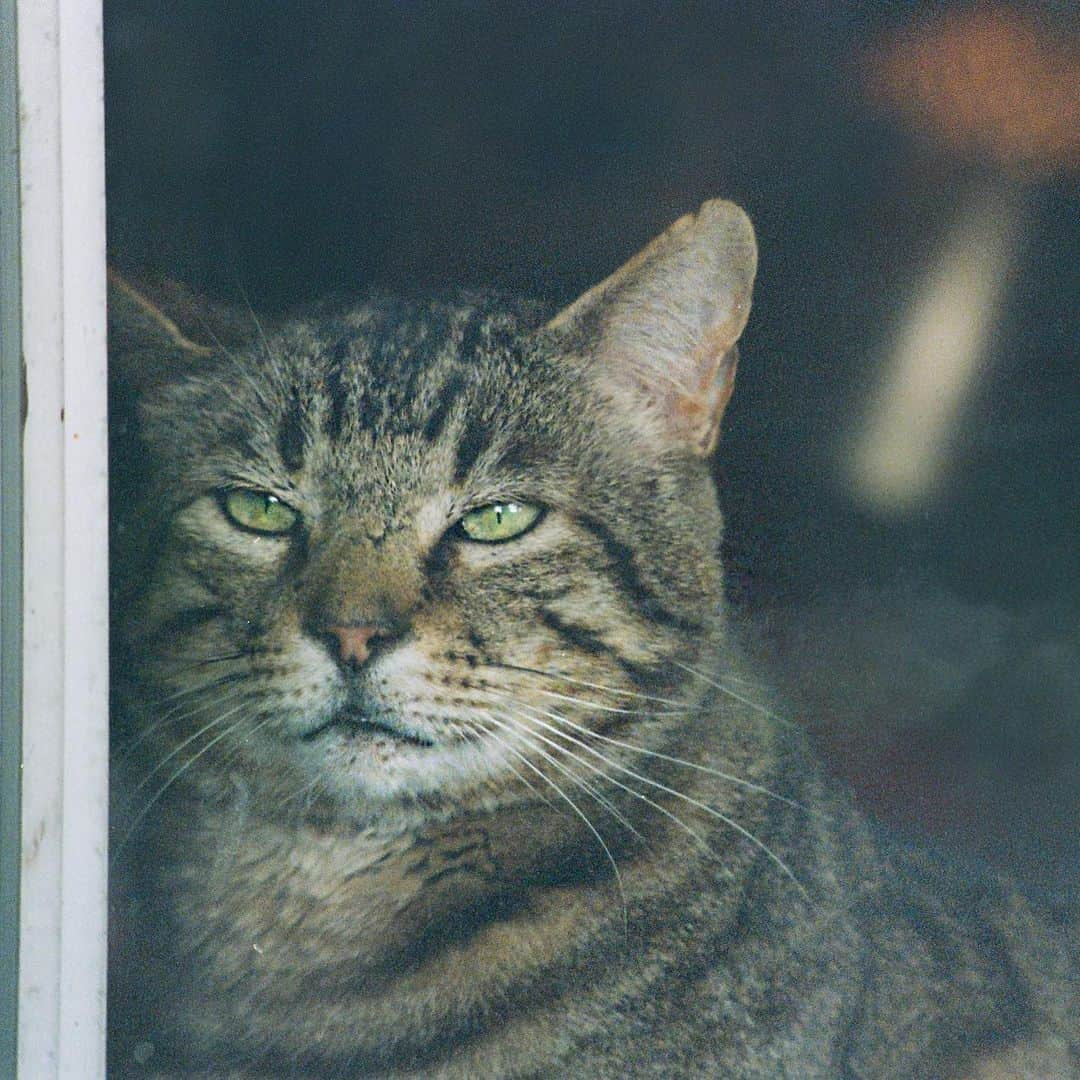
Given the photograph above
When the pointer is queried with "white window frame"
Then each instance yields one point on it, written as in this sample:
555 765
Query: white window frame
54 793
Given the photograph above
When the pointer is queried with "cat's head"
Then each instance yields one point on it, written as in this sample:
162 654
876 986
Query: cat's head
418 553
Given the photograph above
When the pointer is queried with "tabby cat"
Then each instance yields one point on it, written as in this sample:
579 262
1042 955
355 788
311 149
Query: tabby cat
434 751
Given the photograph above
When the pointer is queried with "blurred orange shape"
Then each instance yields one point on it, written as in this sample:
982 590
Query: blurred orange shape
990 83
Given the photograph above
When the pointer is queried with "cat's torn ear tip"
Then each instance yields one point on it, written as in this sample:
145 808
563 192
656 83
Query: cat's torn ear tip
712 217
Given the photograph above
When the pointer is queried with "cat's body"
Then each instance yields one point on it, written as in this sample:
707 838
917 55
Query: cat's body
412 794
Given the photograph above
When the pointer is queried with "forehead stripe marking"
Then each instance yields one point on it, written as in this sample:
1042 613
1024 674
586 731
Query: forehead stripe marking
291 433
448 396
474 441
473 333
336 390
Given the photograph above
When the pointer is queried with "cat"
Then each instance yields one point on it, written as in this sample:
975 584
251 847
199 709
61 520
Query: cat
435 752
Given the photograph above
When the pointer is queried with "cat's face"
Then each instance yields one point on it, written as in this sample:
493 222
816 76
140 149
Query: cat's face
422 554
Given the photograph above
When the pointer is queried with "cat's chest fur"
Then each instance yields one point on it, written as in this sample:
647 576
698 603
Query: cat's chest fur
403 953
434 754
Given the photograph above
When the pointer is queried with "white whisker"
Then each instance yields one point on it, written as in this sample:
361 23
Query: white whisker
190 739
175 715
741 830
477 737
206 661
303 790
719 774
591 685
612 708
731 693
141 816
566 771
584 817
625 787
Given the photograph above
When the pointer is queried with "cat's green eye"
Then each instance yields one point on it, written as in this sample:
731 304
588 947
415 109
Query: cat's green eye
499 521
259 511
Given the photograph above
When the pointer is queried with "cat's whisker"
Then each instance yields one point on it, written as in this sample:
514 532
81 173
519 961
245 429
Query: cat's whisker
231 756
206 661
477 737
581 814
668 813
153 800
187 742
302 791
208 684
613 708
712 811
176 669
756 706
652 697
239 368
263 339
719 774
258 388
487 733
272 359
625 787
584 682
572 776
267 719
754 684
195 688
258 726
173 716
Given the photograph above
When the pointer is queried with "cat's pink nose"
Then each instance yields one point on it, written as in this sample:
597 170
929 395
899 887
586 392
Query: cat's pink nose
354 642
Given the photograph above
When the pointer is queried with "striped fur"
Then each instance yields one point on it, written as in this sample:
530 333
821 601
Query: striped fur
586 846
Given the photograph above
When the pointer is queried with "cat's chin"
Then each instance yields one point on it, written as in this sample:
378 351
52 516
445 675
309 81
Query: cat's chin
391 760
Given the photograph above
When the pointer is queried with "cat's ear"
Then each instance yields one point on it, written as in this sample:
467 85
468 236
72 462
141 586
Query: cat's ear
159 329
660 334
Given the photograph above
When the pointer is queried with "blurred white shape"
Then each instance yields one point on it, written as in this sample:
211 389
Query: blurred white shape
933 365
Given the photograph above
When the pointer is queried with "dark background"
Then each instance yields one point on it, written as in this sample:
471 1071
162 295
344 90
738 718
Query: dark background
277 151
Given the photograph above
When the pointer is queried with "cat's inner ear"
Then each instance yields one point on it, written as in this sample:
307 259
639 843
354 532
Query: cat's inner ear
660 334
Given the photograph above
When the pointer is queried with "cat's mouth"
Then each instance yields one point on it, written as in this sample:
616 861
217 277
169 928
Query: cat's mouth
363 727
